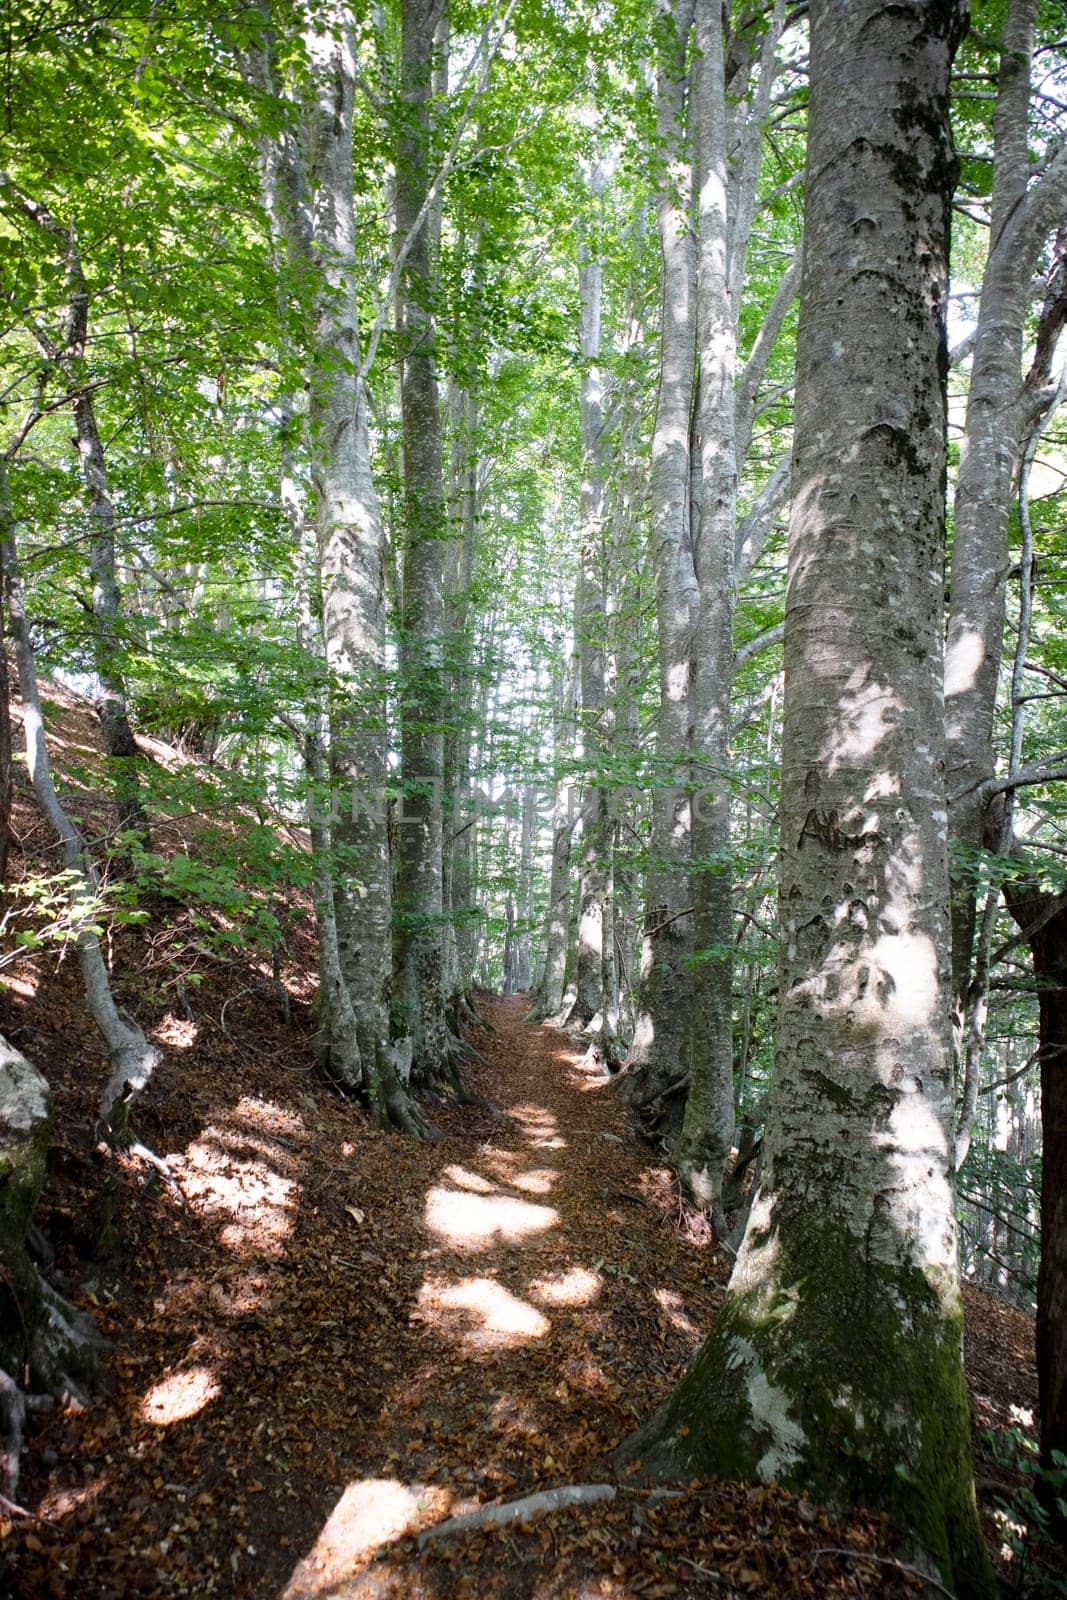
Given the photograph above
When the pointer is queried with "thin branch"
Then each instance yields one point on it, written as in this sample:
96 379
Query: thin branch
650 933
882 1561
1058 904
1013 1077
1053 770
762 641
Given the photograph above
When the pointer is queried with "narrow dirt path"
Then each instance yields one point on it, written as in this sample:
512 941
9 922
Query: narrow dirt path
550 1309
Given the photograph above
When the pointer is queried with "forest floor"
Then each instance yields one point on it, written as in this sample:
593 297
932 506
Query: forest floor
325 1339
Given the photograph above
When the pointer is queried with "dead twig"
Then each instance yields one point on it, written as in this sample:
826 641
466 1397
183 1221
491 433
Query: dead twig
707 1572
881 1561
574 1494
10 1509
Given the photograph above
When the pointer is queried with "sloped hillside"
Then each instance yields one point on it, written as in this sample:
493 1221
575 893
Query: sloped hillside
326 1339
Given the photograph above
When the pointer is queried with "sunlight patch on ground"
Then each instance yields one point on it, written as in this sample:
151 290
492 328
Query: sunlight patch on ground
61 1502
176 1033
589 1072
491 1317
503 1163
539 1127
463 1179
234 1177
576 1287
674 1309
539 1181
241 1295
270 1118
370 1513
26 986
180 1395
477 1221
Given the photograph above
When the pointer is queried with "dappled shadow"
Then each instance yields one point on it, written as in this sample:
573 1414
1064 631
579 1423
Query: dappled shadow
529 1292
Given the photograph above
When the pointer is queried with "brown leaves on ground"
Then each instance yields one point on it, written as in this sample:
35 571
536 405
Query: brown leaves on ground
326 1338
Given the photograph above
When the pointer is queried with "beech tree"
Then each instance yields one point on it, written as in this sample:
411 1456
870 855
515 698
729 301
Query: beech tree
834 1365
308 189
406 471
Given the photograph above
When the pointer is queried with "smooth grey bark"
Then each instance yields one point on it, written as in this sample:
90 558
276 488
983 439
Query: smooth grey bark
834 1366
726 203
589 1010
548 995
626 812
708 1123
459 822
132 1056
1002 409
626 579
111 702
338 1050
1041 915
724 118
659 1052
523 974
418 975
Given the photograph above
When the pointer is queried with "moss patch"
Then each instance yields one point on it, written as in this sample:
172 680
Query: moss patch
841 1376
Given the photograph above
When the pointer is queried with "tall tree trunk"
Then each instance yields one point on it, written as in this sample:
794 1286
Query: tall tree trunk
708 1124
459 820
524 896
834 1365
727 129
591 639
1001 409
548 997
120 747
418 977
659 1053
309 196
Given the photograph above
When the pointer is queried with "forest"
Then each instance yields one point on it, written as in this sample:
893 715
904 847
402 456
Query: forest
533 839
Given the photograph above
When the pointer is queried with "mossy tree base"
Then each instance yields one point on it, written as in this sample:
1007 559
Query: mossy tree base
45 1342
840 1379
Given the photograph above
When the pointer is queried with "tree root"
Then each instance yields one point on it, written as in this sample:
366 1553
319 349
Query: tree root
531 1505
475 1055
64 1361
66 1351
12 1427
467 1011
639 1087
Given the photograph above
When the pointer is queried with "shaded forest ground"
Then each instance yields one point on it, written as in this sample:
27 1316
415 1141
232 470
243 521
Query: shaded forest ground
325 1338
